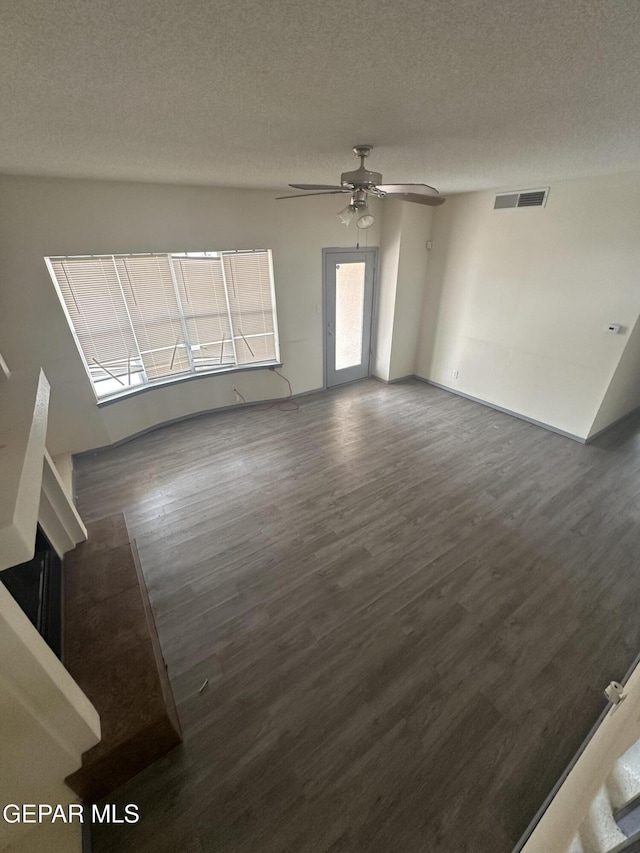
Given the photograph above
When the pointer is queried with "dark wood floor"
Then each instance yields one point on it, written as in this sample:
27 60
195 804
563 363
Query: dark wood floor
407 606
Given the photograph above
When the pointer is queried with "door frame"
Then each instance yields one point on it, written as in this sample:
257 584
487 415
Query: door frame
371 251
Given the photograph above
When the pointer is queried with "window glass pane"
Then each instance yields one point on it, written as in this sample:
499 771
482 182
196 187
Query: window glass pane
349 314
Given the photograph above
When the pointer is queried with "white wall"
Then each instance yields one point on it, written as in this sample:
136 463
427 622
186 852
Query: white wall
41 217
46 723
517 300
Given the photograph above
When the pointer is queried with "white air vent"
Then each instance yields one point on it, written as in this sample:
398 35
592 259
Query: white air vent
523 198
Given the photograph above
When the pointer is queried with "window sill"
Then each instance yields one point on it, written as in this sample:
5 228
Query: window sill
176 380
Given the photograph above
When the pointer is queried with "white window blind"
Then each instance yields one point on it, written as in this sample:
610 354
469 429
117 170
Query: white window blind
139 319
206 311
249 287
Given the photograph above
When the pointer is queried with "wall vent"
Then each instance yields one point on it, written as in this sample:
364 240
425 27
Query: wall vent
524 198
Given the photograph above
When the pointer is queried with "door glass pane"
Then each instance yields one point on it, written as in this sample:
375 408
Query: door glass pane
349 314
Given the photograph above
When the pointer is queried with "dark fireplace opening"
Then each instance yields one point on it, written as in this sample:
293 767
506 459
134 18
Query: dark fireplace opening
37 587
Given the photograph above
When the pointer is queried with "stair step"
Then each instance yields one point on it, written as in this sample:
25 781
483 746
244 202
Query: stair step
629 845
631 759
623 784
599 833
628 816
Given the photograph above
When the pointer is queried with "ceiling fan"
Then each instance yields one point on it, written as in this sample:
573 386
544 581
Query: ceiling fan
360 184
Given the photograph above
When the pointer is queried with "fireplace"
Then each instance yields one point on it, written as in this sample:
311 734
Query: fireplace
37 587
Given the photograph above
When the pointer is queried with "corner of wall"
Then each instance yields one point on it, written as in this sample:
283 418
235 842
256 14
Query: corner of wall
622 395
438 259
403 269
517 302
417 221
387 284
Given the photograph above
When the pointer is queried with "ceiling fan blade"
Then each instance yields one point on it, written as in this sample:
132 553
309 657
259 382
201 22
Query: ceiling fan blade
431 200
319 187
418 193
415 189
308 195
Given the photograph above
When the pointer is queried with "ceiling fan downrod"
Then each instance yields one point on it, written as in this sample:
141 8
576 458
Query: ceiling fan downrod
361 178
362 151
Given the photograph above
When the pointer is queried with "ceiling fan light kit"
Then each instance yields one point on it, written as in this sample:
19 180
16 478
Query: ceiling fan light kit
365 221
346 215
360 184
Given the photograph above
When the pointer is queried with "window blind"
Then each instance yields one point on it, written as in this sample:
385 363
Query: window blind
248 278
142 318
148 288
98 314
204 301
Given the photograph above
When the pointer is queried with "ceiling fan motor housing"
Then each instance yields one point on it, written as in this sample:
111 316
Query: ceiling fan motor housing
361 178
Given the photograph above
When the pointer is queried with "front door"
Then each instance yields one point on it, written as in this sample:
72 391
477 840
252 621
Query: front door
348 306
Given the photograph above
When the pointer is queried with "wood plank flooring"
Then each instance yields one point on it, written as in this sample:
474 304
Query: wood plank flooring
407 606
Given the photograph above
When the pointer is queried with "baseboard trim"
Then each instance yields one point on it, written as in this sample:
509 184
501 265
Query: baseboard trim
513 414
393 381
482 402
613 424
188 417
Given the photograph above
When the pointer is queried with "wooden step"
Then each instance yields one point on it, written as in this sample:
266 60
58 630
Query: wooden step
111 649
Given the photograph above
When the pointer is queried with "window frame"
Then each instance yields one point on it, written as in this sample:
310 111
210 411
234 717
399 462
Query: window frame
187 375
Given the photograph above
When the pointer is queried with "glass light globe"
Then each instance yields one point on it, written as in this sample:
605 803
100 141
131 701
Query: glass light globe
365 221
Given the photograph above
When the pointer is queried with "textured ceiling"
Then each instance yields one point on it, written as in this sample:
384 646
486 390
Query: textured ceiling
463 94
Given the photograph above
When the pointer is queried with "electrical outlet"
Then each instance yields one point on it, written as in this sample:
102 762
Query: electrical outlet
454 374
